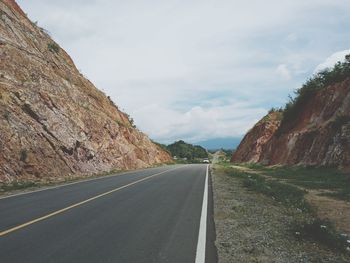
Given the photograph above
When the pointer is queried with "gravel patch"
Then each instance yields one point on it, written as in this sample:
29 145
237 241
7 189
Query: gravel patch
251 227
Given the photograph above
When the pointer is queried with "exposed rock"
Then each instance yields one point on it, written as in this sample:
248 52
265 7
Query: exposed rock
54 122
250 149
318 135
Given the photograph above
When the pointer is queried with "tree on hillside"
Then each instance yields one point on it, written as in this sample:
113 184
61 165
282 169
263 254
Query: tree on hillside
182 149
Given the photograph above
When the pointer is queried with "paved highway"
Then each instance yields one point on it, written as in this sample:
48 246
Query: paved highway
154 215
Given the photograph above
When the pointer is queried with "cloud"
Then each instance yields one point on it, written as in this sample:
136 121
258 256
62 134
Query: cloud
292 37
332 60
283 71
198 123
196 69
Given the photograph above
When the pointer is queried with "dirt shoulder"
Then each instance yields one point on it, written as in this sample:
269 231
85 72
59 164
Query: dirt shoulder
251 227
328 208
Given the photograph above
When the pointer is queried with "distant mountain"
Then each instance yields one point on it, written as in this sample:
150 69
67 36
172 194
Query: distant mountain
182 149
220 143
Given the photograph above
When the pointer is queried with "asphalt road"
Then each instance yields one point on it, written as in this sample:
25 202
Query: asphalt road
152 215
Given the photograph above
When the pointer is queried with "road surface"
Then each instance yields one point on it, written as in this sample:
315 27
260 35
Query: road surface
153 215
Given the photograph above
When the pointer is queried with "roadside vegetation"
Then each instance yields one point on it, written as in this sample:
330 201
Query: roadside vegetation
19 186
319 81
53 47
335 181
288 187
187 152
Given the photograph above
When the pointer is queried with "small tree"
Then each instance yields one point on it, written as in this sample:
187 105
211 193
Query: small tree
53 47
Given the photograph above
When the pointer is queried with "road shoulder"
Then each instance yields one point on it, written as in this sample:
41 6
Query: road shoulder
251 227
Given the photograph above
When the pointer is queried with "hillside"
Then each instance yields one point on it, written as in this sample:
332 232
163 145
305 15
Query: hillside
54 122
315 126
182 149
251 147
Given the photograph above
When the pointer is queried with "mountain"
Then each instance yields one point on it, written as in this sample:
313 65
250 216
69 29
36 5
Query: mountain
182 149
314 128
220 143
54 122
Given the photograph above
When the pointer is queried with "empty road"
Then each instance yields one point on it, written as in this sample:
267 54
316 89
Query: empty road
152 215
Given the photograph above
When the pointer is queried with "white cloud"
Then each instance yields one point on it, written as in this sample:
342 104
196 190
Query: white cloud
283 71
332 60
198 123
292 37
195 69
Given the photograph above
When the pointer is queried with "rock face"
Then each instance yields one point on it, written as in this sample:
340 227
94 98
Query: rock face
318 135
54 122
251 147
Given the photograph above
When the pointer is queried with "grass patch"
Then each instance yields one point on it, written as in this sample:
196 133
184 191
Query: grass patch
306 224
322 231
309 177
288 195
343 194
254 166
17 186
21 185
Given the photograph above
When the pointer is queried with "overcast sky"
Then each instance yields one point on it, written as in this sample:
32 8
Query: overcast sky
196 70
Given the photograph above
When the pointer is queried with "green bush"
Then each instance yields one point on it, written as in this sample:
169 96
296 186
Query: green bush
273 109
322 79
53 47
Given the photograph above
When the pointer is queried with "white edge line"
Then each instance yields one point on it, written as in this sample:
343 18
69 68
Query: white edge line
77 182
202 235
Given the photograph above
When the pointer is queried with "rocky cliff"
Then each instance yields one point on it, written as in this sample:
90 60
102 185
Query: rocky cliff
251 147
320 134
53 121
317 134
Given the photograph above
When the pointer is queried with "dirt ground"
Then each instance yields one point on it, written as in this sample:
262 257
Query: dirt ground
253 228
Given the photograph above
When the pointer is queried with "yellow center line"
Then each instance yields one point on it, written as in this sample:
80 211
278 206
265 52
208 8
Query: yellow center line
3 233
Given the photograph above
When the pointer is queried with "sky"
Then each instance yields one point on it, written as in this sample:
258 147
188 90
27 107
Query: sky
197 70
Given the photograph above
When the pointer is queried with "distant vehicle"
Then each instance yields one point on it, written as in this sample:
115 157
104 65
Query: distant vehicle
206 160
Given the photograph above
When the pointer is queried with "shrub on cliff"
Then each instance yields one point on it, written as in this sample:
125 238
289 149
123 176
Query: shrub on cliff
53 47
319 81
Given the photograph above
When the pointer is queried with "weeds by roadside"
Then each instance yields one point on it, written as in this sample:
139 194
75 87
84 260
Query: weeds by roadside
336 181
343 194
322 231
17 186
29 185
306 225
